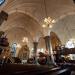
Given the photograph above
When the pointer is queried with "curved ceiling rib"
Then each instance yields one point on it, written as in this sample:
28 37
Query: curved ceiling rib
19 19
17 34
14 29
20 22
55 9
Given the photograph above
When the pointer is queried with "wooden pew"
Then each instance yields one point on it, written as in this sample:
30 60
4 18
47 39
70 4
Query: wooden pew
18 69
65 71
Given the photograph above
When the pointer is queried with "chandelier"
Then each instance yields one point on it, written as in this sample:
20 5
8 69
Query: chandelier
48 22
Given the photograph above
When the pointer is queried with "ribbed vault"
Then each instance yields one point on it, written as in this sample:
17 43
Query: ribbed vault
20 25
18 21
65 28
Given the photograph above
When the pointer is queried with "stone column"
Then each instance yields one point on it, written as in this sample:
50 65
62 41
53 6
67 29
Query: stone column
35 51
49 48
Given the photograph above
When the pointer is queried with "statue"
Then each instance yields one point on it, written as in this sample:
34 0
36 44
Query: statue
24 53
5 53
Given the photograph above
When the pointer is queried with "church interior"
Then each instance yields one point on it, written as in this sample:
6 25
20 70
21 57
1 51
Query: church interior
37 37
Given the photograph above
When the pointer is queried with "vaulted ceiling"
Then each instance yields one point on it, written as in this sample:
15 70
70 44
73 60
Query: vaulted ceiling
26 18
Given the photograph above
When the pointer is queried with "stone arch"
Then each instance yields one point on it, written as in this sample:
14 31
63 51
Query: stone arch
65 14
21 11
63 31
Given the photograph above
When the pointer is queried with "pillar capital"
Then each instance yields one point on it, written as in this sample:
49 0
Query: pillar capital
35 42
47 37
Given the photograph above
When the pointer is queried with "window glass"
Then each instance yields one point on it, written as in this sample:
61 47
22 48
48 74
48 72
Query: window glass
70 44
2 1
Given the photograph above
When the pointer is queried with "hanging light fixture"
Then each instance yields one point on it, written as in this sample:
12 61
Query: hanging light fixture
48 22
25 40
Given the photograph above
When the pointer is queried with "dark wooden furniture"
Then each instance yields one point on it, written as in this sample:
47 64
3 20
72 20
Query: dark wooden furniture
19 69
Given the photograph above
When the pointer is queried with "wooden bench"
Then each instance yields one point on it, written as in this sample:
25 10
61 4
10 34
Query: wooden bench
18 69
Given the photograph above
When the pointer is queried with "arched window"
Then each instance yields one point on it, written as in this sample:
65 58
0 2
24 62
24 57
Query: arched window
2 1
70 43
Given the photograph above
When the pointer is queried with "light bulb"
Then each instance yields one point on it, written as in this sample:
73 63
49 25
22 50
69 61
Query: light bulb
43 25
50 26
53 21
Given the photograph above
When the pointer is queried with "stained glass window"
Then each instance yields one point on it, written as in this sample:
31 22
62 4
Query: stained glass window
70 44
2 1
